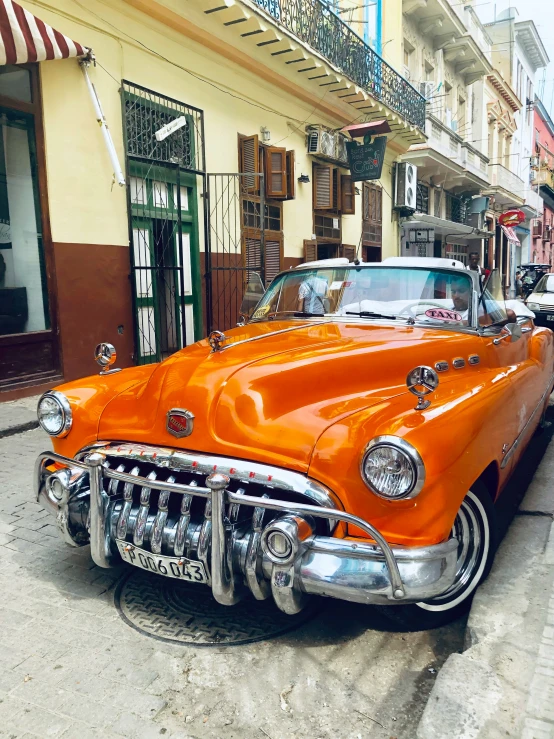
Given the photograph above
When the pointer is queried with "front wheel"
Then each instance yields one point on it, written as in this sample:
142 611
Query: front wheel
476 530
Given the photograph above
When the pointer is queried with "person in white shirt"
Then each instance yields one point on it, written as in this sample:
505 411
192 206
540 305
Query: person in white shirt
311 295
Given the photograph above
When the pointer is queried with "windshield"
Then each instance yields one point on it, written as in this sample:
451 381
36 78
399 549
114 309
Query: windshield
396 293
545 285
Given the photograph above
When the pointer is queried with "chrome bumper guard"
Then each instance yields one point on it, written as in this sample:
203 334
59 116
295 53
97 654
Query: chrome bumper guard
347 569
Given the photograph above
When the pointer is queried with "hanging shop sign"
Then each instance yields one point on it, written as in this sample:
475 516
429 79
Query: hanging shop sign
366 160
511 218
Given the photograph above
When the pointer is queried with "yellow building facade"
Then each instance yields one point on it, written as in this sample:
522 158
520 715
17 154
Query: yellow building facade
154 264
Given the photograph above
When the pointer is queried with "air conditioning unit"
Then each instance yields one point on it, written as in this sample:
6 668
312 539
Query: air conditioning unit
534 162
427 88
327 144
405 186
533 176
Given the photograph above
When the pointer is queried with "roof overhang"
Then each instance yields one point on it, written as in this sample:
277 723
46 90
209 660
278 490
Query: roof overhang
444 227
438 169
504 90
503 197
529 39
468 58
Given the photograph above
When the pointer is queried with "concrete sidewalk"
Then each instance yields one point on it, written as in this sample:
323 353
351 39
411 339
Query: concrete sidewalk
18 415
502 685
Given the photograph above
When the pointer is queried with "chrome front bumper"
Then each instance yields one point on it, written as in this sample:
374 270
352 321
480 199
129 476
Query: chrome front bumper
352 570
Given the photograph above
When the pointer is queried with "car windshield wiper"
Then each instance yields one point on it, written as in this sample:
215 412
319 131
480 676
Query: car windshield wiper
369 314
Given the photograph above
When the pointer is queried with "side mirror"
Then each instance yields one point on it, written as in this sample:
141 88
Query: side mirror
511 331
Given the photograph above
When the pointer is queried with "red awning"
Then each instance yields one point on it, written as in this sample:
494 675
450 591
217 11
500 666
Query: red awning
25 38
511 234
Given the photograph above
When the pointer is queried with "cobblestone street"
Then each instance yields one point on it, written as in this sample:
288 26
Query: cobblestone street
72 667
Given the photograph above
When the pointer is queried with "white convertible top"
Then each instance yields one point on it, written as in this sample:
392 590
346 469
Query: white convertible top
423 262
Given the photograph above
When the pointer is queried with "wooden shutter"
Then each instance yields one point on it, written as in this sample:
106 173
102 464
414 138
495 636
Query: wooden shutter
323 186
291 176
337 197
273 254
310 250
249 149
348 251
275 172
252 253
348 204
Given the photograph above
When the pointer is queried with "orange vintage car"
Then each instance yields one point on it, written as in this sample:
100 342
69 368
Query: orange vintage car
350 440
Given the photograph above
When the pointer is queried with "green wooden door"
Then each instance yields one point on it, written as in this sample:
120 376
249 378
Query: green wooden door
165 260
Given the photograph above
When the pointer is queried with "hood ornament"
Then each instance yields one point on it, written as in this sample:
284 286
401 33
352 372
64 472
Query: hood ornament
106 355
216 339
421 381
180 422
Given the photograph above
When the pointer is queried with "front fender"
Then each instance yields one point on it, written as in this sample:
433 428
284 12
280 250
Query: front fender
88 397
456 437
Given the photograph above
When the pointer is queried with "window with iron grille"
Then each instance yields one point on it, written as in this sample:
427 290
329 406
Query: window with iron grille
146 112
422 198
455 208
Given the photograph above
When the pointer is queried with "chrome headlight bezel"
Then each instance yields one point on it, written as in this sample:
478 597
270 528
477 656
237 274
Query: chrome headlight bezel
411 454
65 410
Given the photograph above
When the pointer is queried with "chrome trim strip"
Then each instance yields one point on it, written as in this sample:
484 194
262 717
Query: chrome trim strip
271 333
204 465
521 434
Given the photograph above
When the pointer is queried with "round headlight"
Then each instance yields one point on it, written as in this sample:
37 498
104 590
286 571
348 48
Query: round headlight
392 468
54 413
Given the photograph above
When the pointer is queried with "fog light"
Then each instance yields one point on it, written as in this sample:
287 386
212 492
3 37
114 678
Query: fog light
58 483
281 539
279 545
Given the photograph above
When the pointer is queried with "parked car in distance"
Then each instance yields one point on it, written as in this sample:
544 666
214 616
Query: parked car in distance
349 441
541 301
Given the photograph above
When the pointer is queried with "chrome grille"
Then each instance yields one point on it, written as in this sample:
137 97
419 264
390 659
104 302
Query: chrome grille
179 524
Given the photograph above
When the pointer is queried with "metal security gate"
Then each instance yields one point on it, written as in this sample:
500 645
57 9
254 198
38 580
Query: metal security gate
164 174
235 244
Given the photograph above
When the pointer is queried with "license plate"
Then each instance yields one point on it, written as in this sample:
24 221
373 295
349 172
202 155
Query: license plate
179 568
550 318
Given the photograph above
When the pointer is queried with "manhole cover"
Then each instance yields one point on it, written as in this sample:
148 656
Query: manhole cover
188 614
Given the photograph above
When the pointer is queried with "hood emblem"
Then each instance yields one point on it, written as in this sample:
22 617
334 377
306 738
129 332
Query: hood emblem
180 422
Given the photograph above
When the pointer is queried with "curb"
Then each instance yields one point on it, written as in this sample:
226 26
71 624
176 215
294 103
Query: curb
18 429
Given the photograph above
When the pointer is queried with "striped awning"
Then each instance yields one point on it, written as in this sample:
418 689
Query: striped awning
511 234
25 38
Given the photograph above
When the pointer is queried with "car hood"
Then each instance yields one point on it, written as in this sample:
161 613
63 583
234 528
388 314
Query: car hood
541 299
275 387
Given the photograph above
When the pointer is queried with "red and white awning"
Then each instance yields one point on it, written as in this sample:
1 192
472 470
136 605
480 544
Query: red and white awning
511 234
25 38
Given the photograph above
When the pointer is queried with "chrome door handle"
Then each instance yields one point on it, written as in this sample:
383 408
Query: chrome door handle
501 338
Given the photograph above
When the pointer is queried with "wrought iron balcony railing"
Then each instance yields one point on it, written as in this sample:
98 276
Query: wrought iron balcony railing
314 23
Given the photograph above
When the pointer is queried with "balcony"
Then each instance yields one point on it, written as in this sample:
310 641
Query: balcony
315 24
506 187
449 161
